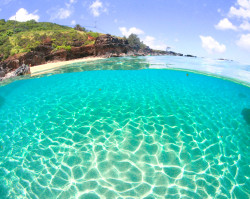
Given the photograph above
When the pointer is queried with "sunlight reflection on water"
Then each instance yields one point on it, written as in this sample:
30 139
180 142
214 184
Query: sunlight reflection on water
226 68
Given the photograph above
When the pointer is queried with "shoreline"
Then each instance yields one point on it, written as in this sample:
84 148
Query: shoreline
50 66
54 65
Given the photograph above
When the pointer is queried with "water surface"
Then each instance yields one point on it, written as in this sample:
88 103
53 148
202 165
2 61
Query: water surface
116 133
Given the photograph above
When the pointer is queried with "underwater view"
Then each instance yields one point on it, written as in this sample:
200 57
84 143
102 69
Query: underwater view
142 127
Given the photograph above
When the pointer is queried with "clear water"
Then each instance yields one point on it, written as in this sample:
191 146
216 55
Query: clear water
145 133
223 68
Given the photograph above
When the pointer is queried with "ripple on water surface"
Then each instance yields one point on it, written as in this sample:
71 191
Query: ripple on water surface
124 134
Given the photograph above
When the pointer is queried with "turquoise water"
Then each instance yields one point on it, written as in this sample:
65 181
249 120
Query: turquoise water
116 133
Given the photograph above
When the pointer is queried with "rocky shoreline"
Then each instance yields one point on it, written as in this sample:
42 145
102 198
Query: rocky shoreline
105 46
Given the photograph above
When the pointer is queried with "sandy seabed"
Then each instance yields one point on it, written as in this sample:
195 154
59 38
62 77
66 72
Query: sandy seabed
44 68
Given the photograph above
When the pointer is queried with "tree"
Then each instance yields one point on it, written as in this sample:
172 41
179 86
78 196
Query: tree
32 21
168 49
79 28
2 21
134 41
142 45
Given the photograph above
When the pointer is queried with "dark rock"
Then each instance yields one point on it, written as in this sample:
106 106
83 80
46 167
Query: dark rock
42 49
9 64
179 54
172 53
79 52
77 43
2 74
246 115
222 59
60 55
190 56
107 44
22 70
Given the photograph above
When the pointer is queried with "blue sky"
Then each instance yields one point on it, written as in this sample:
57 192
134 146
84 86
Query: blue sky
217 29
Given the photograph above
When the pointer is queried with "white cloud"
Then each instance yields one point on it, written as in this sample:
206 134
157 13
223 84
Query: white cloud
211 45
23 15
243 10
245 26
97 8
244 41
244 3
126 32
154 44
61 13
225 24
71 2
73 22
149 40
0 9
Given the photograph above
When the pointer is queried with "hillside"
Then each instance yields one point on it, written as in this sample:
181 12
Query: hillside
33 43
21 37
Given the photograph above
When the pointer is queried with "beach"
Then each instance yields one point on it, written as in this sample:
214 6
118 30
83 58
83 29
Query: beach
48 67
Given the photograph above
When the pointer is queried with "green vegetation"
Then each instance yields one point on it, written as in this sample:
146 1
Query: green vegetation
135 42
94 34
79 28
89 32
29 25
63 47
19 37
89 42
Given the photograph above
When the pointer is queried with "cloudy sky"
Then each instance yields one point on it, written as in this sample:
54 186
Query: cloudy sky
217 29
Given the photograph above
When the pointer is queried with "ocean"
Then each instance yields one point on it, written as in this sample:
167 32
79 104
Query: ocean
138 127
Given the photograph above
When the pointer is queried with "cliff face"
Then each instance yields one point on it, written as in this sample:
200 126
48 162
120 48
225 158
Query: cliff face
105 45
111 46
43 54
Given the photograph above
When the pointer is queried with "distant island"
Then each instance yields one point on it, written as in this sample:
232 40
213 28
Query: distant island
33 43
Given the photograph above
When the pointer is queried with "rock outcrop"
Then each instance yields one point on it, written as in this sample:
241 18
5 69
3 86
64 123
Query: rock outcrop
22 70
110 46
190 56
43 54
105 45
172 53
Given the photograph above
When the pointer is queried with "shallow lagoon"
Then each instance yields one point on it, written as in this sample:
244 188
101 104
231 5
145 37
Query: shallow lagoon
124 131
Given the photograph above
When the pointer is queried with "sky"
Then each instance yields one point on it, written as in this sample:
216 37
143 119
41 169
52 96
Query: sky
205 28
